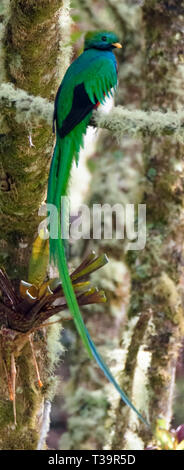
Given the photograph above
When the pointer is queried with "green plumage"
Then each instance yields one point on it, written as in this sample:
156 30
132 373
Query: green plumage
62 167
87 81
96 70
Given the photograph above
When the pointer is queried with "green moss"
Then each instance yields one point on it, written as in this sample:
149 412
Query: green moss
32 22
28 382
21 440
27 401
135 122
6 413
54 352
26 182
33 13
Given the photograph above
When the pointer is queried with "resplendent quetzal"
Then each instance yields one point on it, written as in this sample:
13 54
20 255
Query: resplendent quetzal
88 80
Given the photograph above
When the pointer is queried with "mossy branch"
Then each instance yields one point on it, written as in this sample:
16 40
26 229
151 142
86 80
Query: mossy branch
137 122
134 122
28 108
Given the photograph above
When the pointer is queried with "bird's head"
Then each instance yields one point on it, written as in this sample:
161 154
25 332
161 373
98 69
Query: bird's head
103 40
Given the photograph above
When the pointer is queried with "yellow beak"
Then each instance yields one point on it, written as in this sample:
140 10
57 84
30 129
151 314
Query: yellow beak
118 45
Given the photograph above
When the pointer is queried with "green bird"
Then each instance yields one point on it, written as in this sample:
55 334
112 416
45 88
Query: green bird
88 80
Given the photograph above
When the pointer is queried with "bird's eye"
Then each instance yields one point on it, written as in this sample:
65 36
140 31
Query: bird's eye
104 38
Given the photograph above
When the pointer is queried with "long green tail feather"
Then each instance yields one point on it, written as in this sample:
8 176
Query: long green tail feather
58 185
64 152
111 379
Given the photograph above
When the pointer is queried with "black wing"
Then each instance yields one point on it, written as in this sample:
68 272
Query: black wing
81 106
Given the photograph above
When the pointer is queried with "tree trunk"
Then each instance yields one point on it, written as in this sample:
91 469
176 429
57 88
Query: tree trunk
32 37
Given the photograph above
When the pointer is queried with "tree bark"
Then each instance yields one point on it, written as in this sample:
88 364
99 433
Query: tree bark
30 46
33 37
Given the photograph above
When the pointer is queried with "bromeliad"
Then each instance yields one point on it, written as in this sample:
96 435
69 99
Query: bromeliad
88 80
30 307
